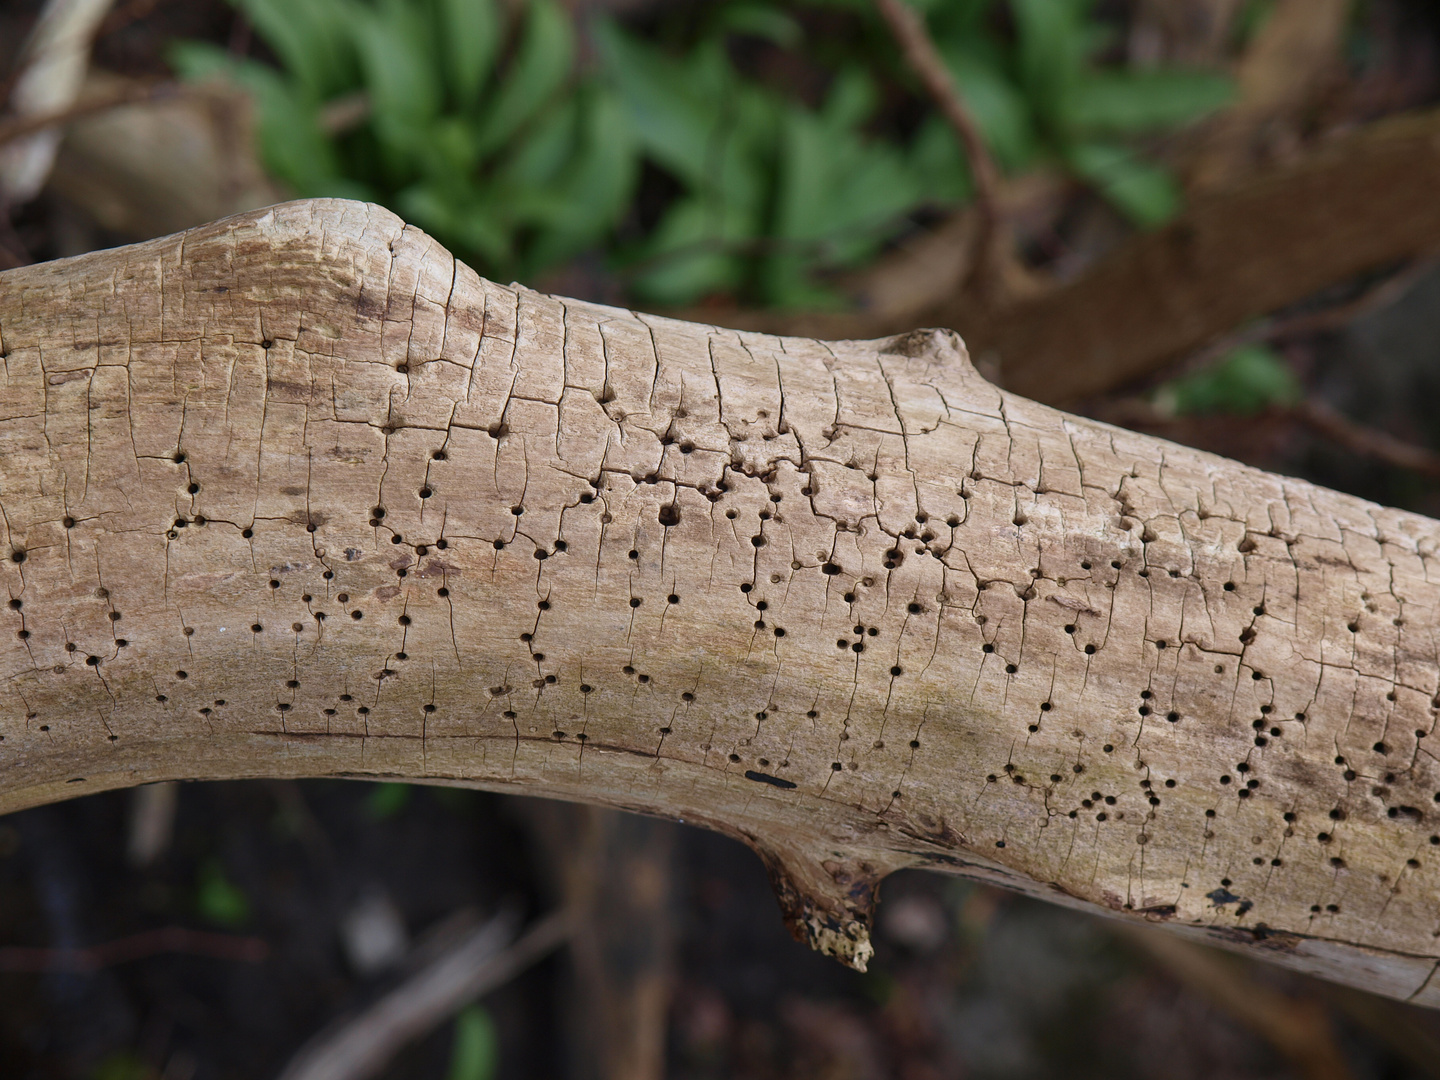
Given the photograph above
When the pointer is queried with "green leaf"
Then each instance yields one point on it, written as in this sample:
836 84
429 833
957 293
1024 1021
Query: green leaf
311 38
688 257
470 36
1144 192
673 106
609 169
999 106
1248 380
948 18
197 60
836 195
717 135
396 53
833 183
1123 102
936 163
761 21
464 222
595 185
453 146
539 153
852 99
541 65
218 899
1253 16
475 1053
386 800
291 142
1052 45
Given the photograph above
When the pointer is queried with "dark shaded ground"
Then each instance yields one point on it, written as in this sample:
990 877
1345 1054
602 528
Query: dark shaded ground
967 982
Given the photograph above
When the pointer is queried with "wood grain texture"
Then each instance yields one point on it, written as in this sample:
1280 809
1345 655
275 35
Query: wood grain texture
297 494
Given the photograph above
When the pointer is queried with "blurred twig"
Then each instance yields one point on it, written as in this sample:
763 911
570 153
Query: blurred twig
1358 202
1318 416
612 870
988 245
1283 326
925 61
1366 441
170 939
345 113
362 1046
51 72
184 157
121 94
152 822
1378 296
1287 63
1298 1028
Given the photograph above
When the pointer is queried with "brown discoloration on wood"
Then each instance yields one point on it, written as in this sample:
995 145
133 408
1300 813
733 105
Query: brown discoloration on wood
1016 644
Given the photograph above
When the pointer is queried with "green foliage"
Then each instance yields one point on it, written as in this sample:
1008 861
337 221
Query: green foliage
386 800
1042 97
122 1065
772 191
776 193
484 126
475 125
218 899
1248 380
475 1054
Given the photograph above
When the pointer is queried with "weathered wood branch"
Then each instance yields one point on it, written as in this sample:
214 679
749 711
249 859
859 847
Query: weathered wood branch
296 494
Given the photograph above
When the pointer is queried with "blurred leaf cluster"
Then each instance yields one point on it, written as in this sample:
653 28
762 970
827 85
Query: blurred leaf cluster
472 125
522 139
475 1053
1246 381
1041 97
218 899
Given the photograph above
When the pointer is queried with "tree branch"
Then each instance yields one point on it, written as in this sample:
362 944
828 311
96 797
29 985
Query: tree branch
297 494
1359 203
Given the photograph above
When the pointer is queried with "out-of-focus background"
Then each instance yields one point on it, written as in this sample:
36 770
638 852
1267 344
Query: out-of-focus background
1214 220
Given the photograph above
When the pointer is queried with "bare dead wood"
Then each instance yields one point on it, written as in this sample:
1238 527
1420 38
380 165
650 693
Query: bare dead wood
297 494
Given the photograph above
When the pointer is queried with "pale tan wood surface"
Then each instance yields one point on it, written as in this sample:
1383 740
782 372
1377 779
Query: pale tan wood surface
297 494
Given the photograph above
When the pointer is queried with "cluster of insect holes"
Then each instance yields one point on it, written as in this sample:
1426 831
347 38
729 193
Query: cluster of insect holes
91 660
